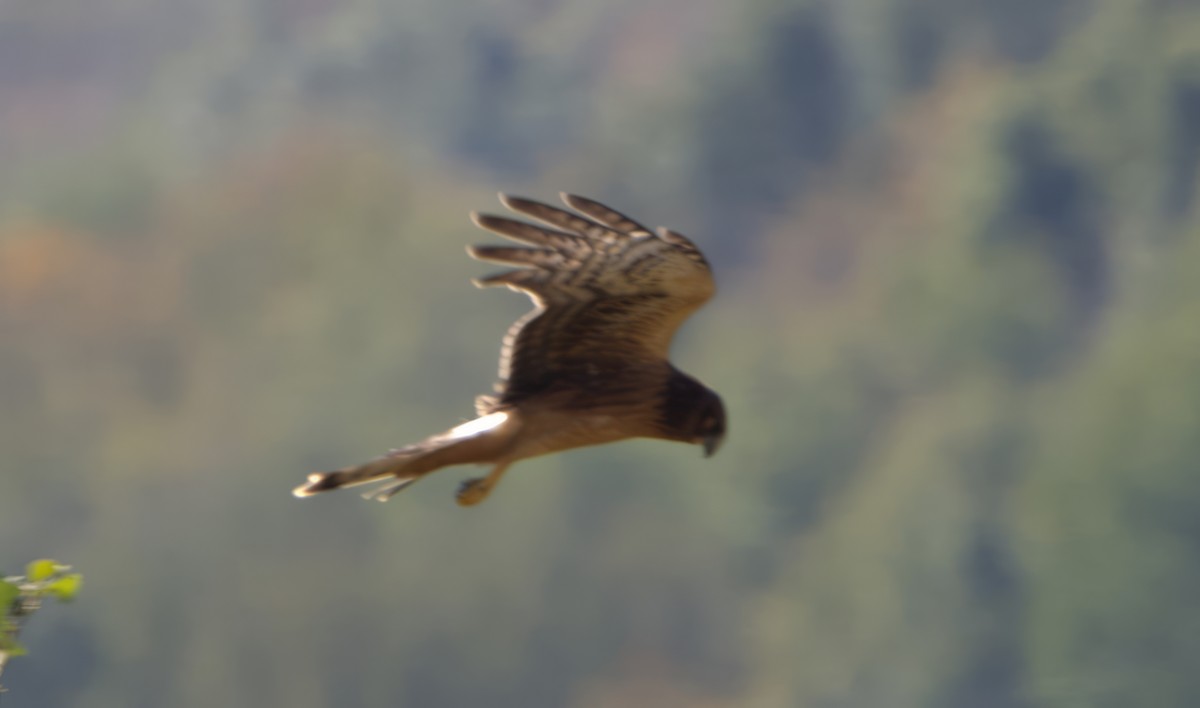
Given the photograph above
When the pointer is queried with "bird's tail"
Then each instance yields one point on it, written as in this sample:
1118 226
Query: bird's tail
399 467
473 442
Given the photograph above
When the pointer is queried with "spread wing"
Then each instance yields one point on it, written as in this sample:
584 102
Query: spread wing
609 293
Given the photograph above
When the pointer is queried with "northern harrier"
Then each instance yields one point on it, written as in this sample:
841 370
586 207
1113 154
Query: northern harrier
588 365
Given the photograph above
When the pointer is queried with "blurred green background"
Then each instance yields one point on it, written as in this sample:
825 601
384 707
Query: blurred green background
958 334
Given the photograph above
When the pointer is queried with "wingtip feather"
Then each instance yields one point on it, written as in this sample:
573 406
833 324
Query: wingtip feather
523 205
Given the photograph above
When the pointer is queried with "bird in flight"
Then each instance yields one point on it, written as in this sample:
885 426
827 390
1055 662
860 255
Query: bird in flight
588 365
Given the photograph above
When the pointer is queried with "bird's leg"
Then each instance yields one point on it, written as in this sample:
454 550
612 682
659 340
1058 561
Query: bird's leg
475 490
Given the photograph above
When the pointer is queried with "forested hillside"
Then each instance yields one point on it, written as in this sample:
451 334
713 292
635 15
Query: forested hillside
957 333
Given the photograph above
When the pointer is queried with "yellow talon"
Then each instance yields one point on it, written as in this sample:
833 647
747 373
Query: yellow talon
472 491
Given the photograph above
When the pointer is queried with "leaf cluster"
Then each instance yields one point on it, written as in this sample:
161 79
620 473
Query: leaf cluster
22 595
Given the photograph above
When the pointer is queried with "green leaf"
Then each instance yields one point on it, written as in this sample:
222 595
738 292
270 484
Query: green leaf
8 594
66 587
40 570
12 647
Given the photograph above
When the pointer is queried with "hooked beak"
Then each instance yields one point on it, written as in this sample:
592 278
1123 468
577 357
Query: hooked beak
711 443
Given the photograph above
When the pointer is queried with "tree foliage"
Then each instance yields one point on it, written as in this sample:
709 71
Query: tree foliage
958 248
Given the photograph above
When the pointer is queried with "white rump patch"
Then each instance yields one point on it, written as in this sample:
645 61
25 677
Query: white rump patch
477 426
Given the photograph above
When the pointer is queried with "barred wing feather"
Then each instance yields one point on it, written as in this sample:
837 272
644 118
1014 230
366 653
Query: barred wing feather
609 294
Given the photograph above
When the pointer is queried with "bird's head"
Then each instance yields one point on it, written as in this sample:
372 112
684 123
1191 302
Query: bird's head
693 413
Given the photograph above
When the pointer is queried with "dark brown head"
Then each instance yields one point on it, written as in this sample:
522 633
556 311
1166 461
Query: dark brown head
693 413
